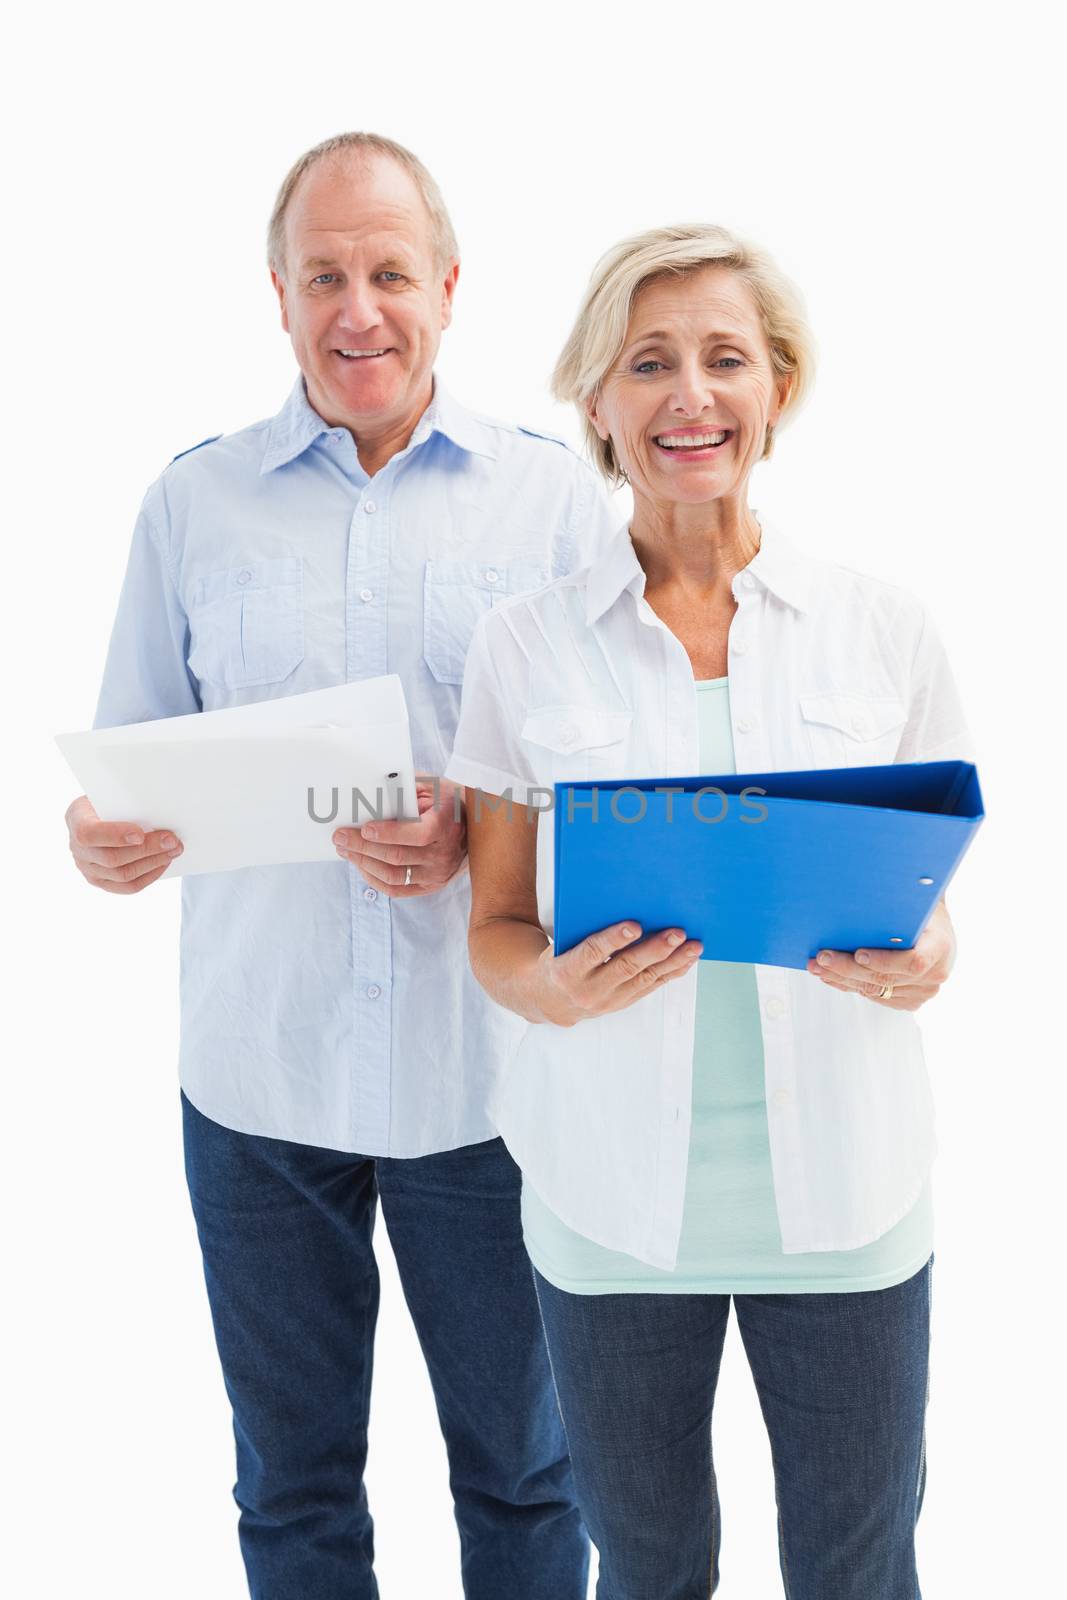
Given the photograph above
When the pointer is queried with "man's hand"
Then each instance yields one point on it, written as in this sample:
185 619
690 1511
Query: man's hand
404 859
915 975
117 856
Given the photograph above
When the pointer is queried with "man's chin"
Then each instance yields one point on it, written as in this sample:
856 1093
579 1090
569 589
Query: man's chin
365 395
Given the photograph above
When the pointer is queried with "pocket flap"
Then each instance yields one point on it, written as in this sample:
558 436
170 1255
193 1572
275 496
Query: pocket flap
571 728
856 715
278 572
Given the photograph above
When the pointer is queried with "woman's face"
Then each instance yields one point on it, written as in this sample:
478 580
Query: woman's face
687 403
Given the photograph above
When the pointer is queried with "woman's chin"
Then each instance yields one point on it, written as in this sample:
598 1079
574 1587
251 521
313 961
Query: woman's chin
694 487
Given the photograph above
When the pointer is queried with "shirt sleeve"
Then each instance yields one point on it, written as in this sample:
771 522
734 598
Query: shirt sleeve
146 674
488 752
595 517
936 729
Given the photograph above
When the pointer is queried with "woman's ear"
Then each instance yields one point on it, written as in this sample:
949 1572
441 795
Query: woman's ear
592 411
783 389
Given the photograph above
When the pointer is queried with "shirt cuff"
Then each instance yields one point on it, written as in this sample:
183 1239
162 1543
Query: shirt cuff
473 775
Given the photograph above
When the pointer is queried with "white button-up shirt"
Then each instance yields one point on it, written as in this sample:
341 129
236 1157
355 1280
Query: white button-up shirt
268 563
827 668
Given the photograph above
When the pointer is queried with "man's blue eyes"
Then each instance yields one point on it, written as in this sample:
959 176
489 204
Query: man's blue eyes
723 361
392 277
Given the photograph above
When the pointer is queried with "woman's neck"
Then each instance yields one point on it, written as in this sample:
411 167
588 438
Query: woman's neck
698 548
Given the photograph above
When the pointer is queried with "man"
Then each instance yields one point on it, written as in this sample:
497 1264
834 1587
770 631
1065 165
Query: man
335 1046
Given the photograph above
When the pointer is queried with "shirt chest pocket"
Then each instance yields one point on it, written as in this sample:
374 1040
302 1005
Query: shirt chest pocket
455 595
577 743
247 624
852 730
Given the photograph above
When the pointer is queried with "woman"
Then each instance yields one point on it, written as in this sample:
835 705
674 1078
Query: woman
690 1133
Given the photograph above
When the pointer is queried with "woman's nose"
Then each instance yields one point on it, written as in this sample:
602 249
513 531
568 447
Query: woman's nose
694 392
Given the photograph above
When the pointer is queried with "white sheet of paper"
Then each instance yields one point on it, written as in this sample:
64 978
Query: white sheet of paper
234 784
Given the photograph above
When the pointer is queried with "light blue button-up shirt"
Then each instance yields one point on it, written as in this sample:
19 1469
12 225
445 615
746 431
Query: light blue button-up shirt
268 563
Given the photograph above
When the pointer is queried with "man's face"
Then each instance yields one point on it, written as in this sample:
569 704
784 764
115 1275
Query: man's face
362 295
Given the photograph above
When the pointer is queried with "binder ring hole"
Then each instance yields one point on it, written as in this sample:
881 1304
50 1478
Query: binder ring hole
926 880
897 938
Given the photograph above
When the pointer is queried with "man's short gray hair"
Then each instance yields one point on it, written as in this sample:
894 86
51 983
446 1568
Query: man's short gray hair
599 332
368 145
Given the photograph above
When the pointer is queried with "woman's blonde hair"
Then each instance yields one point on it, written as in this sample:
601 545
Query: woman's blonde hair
599 331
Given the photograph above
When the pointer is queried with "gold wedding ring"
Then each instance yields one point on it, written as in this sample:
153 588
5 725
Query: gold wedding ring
407 877
886 992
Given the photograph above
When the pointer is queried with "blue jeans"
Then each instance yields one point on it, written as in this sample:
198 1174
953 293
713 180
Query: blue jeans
842 1383
285 1230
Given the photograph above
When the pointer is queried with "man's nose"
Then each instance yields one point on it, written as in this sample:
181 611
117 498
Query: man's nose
359 307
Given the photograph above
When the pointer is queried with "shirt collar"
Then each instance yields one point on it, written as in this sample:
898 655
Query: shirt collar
777 564
298 425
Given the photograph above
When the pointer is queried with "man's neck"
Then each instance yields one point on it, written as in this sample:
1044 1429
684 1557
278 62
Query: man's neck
376 441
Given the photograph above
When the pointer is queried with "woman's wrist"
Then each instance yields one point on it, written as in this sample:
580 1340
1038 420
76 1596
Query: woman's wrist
507 958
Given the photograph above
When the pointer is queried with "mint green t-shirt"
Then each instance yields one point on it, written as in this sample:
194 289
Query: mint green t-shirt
730 1241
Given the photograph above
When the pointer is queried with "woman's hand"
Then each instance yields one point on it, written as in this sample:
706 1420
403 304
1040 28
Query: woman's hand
609 971
915 975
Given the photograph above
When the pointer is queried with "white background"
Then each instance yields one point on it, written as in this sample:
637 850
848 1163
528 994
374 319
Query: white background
899 162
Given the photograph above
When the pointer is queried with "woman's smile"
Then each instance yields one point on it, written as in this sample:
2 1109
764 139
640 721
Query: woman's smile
691 444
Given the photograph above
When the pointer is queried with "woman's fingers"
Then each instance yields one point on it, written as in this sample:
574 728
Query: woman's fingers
669 961
601 947
619 961
631 960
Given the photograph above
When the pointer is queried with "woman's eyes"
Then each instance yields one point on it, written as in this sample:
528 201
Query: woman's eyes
723 361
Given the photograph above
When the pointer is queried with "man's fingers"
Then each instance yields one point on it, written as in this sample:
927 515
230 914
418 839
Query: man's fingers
154 844
394 855
134 886
410 833
395 891
133 870
95 834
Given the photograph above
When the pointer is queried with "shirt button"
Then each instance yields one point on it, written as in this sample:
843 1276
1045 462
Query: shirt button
370 507
244 576
859 725
366 594
370 894
775 1006
748 581
373 991
568 734
739 648
492 575
781 1097
744 725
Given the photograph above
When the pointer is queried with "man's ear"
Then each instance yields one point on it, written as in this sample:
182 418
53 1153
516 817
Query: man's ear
592 411
279 289
448 289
